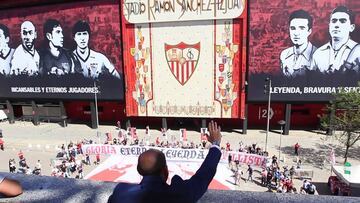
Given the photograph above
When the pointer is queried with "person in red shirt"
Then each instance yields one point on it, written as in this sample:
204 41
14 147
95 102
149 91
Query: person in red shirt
21 155
227 146
1 144
296 149
157 141
78 146
97 158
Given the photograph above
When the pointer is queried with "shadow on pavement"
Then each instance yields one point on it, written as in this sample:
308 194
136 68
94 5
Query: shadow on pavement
321 152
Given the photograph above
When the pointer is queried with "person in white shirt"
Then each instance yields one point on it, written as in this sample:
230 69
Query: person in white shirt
341 53
26 58
9 188
6 53
297 59
92 63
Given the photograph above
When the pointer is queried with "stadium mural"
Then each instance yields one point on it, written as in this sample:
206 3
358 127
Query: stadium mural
185 60
309 50
65 51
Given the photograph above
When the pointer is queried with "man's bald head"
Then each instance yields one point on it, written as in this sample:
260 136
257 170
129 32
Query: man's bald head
28 34
152 162
28 25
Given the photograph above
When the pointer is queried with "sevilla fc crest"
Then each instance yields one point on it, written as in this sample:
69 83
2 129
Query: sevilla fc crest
182 60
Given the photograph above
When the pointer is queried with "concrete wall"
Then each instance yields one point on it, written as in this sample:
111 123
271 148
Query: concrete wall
50 189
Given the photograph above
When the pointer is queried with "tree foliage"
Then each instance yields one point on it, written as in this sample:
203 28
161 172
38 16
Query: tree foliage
343 118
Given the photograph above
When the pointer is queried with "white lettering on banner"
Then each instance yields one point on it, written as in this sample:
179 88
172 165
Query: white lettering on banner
146 11
312 90
319 90
286 90
56 90
176 154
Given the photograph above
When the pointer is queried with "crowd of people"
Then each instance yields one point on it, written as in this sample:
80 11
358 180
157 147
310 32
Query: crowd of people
272 175
23 166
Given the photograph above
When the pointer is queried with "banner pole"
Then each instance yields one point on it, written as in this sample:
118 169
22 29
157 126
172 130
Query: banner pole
96 106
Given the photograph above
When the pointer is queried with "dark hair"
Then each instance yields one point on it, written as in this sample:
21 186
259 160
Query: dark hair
49 25
5 29
301 14
344 9
158 166
81 26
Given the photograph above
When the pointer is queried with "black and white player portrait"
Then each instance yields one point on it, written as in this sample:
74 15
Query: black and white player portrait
26 58
297 59
341 52
6 52
55 59
92 63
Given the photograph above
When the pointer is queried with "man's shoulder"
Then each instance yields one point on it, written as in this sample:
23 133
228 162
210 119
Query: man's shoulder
322 49
286 53
352 44
355 46
126 186
96 55
66 51
127 192
19 50
45 52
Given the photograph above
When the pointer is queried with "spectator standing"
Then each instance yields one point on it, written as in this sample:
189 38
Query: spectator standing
229 160
21 155
157 141
80 171
37 169
264 173
87 159
296 149
298 163
2 144
227 146
292 172
97 159
250 171
237 176
269 178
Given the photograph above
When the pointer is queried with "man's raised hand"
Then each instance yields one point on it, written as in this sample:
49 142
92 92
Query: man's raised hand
214 133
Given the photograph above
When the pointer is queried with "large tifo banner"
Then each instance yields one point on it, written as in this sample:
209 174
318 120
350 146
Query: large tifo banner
174 154
185 58
121 167
309 50
124 169
65 51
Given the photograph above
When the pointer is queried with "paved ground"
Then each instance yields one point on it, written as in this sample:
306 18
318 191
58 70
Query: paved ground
40 142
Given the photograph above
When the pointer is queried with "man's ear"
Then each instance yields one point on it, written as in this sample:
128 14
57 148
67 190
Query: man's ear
352 28
48 36
7 39
35 35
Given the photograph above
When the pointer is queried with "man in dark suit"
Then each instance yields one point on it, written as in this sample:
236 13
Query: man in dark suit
153 187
